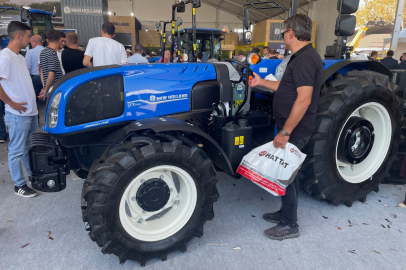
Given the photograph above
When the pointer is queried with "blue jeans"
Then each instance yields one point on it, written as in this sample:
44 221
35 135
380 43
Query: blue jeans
36 82
20 128
3 132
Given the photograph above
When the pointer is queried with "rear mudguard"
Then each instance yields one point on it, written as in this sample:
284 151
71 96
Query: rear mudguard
164 124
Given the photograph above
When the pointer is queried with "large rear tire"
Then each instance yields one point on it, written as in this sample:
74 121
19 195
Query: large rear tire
358 128
148 197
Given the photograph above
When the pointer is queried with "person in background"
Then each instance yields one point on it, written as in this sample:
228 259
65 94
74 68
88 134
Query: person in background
199 57
166 58
265 52
3 132
31 58
389 62
281 56
81 48
50 66
60 50
373 56
137 58
255 50
403 57
295 105
17 91
240 56
72 57
129 53
273 54
105 50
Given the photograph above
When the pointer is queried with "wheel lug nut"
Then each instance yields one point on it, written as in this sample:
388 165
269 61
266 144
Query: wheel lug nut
140 220
144 212
134 198
142 181
171 189
162 177
177 202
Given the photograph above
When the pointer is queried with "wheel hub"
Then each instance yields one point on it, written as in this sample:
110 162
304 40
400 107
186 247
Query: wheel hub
153 195
356 141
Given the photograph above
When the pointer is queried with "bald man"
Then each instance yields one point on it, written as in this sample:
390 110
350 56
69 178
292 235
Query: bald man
31 58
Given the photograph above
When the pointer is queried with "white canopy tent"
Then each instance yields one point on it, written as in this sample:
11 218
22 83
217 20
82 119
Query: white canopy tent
401 48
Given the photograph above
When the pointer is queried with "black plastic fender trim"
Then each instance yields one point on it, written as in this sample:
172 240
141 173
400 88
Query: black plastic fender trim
374 65
162 124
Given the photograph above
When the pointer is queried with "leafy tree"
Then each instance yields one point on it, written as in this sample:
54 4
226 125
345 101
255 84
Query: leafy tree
378 10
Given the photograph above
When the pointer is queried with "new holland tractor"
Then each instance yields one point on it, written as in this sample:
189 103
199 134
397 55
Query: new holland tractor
149 140
40 21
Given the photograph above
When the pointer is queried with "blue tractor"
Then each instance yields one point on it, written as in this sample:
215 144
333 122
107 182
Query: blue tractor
149 139
40 21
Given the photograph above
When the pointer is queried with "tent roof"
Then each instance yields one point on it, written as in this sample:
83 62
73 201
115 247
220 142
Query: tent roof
402 37
235 7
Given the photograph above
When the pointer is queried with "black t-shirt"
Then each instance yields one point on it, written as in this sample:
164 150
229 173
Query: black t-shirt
72 59
305 68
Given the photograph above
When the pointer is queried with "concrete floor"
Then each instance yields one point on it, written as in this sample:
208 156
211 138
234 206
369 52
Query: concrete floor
233 240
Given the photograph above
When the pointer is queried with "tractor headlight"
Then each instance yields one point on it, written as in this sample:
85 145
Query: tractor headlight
53 111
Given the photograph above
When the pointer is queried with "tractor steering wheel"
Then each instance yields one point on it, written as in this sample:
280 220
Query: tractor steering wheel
240 68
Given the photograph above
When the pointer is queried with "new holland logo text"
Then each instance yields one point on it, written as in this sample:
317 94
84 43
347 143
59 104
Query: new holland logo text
274 158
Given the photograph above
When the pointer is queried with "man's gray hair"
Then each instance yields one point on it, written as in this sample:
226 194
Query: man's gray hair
301 25
138 48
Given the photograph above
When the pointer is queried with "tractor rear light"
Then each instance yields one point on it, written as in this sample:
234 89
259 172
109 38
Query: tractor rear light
53 111
254 59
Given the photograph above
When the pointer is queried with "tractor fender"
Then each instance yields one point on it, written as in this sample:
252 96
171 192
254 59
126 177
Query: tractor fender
348 65
165 124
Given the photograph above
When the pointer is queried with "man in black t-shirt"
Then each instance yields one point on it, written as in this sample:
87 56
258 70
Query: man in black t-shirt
294 105
72 58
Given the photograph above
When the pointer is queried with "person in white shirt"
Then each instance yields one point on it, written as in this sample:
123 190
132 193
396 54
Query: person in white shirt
137 58
17 91
32 58
60 50
105 50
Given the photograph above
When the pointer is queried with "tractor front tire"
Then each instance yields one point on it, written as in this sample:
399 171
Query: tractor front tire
148 197
358 129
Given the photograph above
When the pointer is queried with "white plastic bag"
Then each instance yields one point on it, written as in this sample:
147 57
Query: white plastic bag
272 168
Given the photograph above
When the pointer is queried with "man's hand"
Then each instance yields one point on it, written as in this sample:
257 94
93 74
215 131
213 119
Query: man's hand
42 94
18 106
256 81
280 141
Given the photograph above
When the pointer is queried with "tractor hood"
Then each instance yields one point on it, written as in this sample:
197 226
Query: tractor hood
95 97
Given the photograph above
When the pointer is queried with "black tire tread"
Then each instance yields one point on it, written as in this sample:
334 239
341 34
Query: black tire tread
105 175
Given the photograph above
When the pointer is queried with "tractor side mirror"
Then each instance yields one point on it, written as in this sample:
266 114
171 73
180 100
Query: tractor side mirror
345 26
178 22
247 38
24 15
181 8
246 19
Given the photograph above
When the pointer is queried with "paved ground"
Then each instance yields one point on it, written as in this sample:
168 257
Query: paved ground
369 235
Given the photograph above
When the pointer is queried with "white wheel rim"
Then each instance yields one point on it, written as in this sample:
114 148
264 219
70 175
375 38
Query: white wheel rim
179 207
379 117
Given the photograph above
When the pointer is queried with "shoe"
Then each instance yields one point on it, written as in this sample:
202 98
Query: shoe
403 205
272 217
282 231
25 191
3 140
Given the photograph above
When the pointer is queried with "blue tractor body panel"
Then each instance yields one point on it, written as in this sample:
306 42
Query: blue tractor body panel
150 90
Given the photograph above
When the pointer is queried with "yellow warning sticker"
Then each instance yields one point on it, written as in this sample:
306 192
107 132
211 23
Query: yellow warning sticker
194 47
241 140
194 11
237 140
173 23
237 103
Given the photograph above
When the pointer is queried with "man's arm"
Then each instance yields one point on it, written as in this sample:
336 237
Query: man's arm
86 61
50 82
15 106
258 81
40 75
